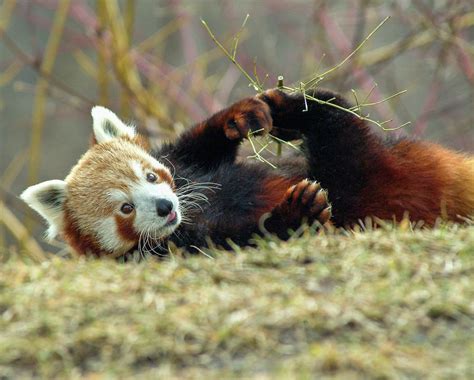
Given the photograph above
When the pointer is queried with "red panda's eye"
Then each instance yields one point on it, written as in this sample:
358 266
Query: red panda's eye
127 208
150 177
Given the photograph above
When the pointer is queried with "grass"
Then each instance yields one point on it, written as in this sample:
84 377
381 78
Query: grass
389 303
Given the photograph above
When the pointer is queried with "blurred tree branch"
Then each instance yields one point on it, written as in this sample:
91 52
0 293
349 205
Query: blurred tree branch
47 64
34 64
417 40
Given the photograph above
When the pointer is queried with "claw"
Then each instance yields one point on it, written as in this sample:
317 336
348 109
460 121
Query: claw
306 201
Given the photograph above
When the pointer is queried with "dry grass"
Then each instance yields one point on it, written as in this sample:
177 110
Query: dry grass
380 304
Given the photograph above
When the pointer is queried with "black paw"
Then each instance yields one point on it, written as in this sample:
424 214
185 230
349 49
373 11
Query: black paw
285 110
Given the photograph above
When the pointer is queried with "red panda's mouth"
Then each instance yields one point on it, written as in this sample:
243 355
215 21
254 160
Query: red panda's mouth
172 219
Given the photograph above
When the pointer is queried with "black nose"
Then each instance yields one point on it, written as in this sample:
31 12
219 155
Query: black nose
163 207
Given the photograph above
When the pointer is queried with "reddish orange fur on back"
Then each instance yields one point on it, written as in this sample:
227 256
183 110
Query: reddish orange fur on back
423 179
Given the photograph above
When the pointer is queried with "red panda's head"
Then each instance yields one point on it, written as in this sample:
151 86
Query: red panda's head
115 193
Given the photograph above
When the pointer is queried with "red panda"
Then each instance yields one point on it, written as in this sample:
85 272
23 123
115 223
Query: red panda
121 196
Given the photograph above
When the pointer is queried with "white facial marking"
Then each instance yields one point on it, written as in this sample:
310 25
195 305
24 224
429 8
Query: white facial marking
137 169
116 195
109 238
145 195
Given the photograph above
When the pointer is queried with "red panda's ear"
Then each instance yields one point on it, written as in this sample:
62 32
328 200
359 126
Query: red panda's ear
47 199
108 126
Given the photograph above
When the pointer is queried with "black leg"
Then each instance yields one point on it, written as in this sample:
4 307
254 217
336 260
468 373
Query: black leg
216 140
341 150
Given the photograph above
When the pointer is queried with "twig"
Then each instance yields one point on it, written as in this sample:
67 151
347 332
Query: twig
237 37
257 152
380 101
318 77
232 58
379 124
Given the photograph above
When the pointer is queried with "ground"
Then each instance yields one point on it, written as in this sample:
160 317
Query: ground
389 303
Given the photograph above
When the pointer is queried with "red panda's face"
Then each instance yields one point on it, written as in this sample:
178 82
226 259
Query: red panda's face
118 194
116 197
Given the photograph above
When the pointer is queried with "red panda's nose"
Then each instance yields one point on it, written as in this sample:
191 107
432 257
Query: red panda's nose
163 207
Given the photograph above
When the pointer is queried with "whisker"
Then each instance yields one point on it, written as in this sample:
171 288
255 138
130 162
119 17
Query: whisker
200 185
172 165
194 204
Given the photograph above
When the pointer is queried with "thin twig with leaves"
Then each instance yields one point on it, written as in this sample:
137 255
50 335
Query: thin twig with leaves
302 87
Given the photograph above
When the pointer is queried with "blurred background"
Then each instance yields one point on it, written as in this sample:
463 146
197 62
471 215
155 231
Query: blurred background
154 64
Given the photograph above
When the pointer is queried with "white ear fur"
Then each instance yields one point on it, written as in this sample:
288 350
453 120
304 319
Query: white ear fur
47 198
108 126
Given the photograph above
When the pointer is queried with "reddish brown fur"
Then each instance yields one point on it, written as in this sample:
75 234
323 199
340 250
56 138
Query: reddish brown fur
418 178
165 176
81 243
272 193
86 244
142 142
125 227
235 119
198 130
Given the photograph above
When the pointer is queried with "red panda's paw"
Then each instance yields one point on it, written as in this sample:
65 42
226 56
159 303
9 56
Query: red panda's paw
283 108
275 98
248 116
305 202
